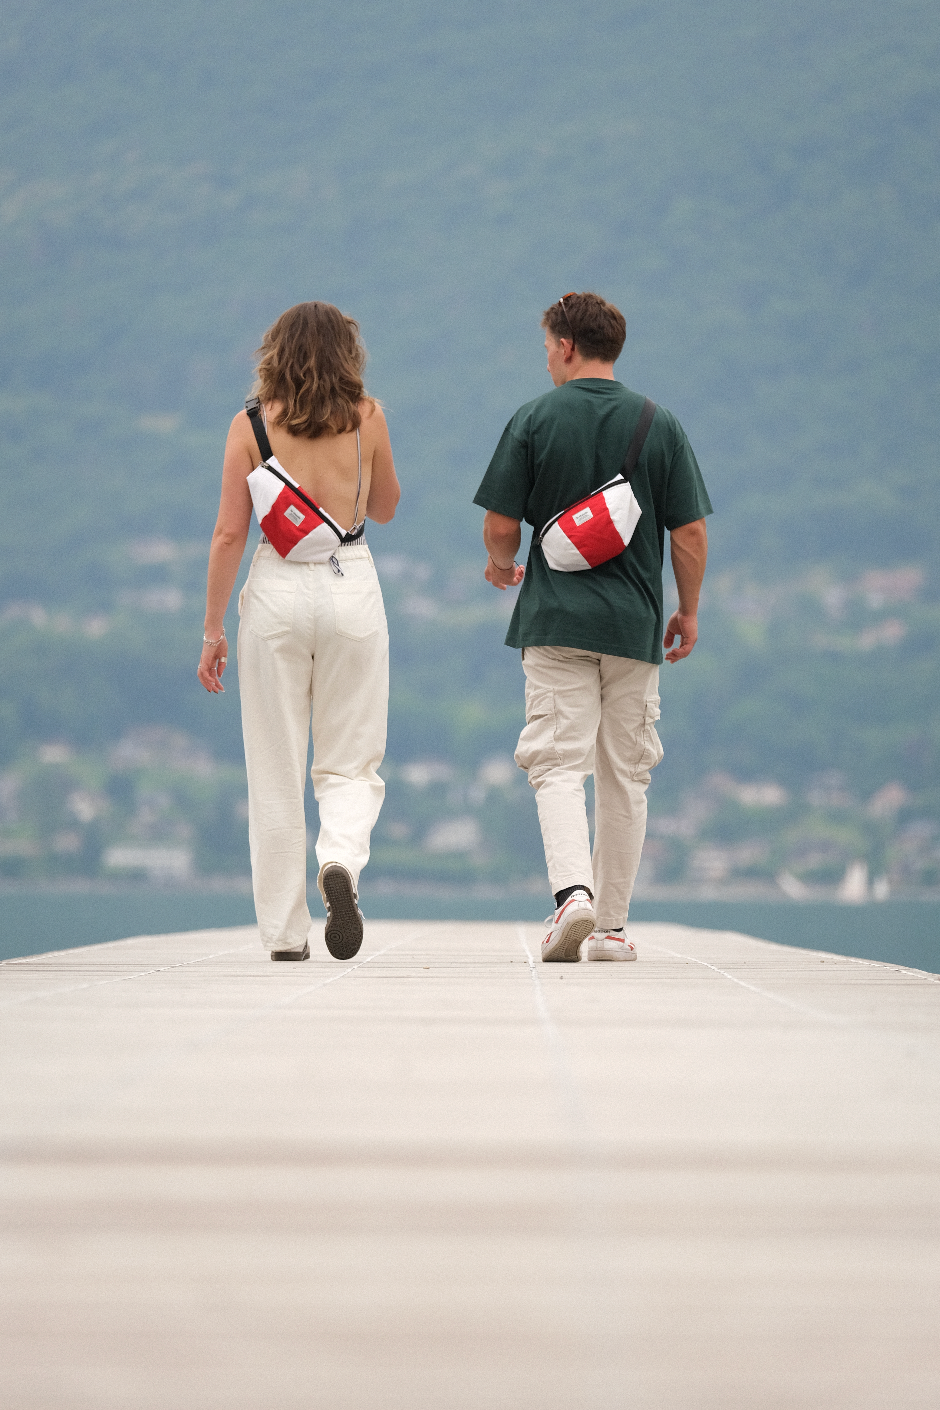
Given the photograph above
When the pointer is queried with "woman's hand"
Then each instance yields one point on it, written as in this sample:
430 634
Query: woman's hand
212 664
226 549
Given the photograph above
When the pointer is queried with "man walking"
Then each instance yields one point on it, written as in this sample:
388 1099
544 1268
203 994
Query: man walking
590 639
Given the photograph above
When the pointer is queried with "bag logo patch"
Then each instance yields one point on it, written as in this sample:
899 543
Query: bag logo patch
583 516
294 515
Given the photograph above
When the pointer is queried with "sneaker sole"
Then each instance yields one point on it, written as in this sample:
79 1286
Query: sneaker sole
567 948
303 954
343 933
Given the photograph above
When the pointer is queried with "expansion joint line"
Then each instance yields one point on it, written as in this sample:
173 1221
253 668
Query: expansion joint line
754 988
564 1076
333 978
886 964
122 978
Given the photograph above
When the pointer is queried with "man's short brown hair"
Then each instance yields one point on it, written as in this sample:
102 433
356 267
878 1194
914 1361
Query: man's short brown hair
599 329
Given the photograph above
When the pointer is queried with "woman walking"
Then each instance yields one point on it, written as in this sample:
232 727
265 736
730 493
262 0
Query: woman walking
311 454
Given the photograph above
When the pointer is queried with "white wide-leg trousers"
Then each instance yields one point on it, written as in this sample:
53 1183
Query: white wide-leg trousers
590 713
312 657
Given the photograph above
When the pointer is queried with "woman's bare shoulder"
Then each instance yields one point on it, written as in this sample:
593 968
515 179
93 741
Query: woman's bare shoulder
241 426
241 440
373 422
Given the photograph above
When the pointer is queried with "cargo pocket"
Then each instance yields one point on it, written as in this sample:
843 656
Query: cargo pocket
268 608
650 751
536 749
358 609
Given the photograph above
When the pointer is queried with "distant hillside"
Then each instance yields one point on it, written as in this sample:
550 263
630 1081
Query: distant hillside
754 184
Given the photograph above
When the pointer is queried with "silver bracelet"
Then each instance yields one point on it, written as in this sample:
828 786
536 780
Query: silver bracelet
208 642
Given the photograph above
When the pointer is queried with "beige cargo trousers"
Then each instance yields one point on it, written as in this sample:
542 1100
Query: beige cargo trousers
590 713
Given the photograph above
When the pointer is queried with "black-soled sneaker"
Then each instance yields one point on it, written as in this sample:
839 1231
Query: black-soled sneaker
303 954
343 933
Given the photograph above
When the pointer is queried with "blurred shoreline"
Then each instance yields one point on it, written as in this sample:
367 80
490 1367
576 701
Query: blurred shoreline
55 916
400 888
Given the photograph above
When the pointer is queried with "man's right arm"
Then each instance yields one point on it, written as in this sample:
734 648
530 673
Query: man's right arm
688 548
501 539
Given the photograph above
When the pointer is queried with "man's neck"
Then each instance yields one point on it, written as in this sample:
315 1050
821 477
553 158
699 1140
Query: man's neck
582 368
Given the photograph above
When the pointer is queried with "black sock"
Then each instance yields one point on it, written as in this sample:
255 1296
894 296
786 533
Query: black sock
562 895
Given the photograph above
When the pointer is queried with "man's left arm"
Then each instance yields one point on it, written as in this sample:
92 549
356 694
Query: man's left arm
688 549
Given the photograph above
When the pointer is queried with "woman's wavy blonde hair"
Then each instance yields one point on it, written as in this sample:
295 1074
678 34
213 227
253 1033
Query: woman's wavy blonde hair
311 361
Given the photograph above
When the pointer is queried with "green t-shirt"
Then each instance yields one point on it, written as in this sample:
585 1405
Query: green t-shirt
559 449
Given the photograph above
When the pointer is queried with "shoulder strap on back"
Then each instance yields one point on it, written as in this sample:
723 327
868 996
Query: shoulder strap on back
639 438
253 407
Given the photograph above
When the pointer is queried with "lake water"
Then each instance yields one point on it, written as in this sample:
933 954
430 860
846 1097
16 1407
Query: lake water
35 920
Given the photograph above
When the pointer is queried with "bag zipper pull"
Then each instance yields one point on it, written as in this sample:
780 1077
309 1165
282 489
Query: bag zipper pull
334 564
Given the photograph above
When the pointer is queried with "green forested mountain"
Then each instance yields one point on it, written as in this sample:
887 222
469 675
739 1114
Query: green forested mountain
755 185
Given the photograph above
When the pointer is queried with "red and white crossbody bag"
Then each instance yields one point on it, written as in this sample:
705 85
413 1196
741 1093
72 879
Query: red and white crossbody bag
294 525
599 527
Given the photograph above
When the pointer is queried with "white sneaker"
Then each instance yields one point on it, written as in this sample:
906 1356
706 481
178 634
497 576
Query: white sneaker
573 920
609 945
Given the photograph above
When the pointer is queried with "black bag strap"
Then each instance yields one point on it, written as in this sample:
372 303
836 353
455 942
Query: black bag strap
253 407
636 445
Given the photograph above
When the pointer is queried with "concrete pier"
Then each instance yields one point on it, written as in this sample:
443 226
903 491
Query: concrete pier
444 1176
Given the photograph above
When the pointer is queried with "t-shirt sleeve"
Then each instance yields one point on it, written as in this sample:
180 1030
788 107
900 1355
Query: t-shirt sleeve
686 495
507 484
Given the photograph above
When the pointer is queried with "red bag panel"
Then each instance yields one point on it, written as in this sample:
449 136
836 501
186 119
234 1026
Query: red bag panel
288 521
597 538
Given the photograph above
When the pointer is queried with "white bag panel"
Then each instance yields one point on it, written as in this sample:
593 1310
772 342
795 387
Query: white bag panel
265 487
318 547
624 510
560 552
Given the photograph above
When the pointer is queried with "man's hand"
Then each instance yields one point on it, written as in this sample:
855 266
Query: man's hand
688 548
684 626
503 578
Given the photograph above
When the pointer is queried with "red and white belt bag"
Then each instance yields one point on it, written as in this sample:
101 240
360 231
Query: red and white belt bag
599 527
293 524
